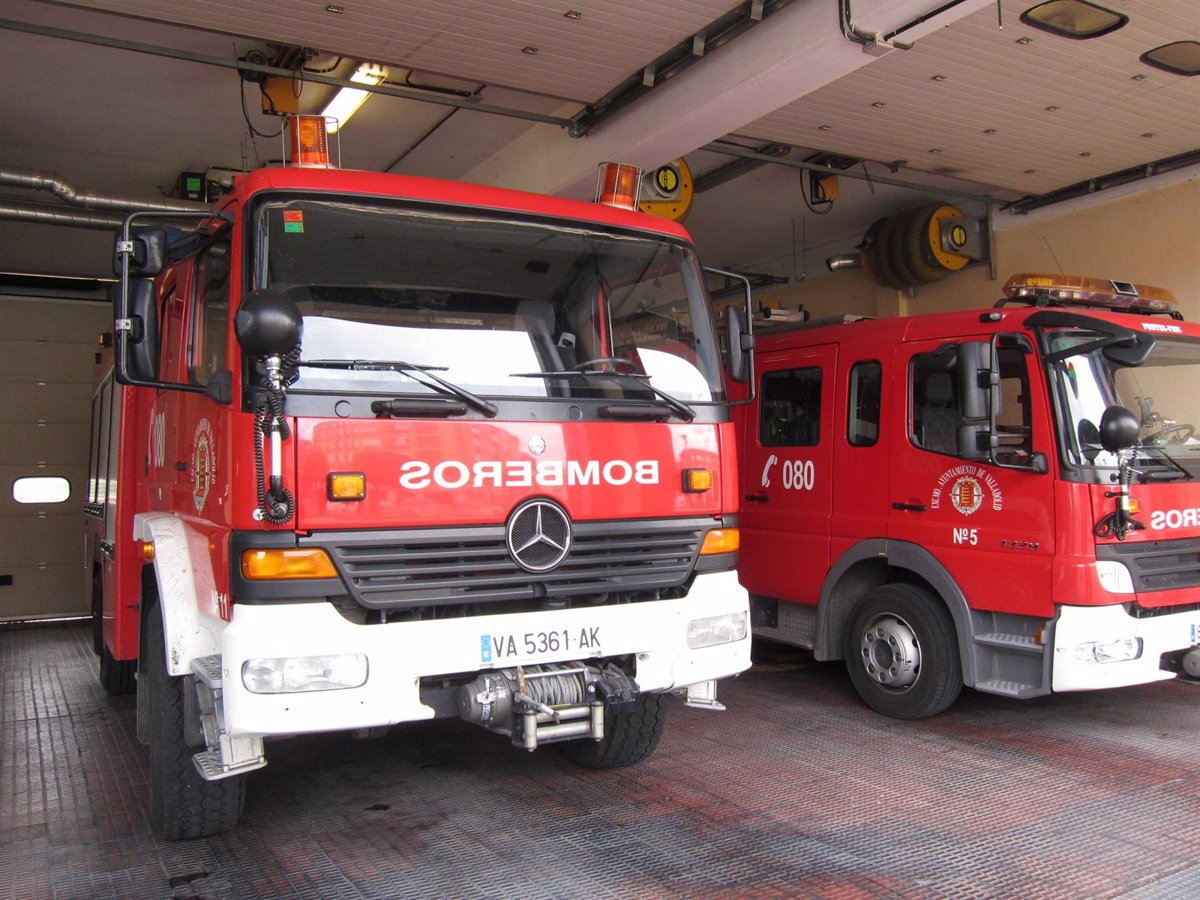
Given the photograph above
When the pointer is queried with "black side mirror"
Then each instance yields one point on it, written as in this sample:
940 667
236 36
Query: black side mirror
978 380
142 344
1119 429
268 323
149 251
741 343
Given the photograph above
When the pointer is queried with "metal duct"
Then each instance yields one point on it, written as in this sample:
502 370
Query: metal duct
46 215
41 181
842 263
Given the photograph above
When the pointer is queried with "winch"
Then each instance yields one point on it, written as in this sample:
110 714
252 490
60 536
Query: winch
542 704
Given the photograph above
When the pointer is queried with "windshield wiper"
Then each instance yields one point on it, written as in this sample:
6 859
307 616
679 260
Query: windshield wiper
412 370
677 406
1177 473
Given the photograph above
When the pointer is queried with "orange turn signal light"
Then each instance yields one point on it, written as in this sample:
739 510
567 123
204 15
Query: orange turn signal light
721 540
283 564
697 481
148 550
347 485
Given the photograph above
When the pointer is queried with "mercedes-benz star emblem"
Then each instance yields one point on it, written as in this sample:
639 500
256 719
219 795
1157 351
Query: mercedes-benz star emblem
539 535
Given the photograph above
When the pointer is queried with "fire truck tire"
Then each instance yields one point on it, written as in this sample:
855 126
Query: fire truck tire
182 804
902 653
117 677
629 737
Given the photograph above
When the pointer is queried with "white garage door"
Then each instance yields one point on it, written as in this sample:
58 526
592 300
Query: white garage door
47 358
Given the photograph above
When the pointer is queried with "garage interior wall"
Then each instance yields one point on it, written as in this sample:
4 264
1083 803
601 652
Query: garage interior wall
1151 237
47 362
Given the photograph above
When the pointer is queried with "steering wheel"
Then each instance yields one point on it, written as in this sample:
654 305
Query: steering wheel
1172 433
614 362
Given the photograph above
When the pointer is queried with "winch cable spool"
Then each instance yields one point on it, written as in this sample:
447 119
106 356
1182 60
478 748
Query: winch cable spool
555 686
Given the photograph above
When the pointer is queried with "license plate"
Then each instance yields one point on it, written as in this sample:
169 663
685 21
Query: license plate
573 642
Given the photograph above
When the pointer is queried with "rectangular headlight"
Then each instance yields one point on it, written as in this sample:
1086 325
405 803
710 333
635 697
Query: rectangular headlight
298 674
713 630
1120 650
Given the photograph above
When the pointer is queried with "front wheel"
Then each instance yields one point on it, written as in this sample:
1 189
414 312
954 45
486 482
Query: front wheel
902 653
182 804
629 736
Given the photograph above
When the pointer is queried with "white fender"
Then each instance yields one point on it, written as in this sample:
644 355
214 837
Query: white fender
184 570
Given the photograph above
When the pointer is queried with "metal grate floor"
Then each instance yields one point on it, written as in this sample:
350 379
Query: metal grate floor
797 791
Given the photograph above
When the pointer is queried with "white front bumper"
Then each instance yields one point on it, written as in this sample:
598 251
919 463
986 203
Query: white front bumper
400 654
1158 635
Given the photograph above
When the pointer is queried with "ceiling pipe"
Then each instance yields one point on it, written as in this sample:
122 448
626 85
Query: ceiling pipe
45 215
41 181
731 149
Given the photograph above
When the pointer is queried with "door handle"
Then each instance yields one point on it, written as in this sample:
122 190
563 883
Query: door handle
909 507
757 498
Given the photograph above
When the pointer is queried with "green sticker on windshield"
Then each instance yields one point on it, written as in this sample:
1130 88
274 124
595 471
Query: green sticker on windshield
293 227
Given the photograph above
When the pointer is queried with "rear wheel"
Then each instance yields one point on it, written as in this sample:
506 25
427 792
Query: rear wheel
902 653
629 736
182 804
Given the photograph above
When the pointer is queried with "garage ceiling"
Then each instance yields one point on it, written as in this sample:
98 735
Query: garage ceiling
981 106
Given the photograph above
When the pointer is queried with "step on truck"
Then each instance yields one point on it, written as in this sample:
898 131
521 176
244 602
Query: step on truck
372 449
1007 499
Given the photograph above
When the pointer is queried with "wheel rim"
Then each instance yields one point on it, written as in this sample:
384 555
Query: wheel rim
891 653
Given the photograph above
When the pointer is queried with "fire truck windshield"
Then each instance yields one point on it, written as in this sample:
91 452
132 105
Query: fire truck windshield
485 301
1159 392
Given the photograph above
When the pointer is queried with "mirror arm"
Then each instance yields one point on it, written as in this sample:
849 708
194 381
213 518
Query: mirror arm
746 344
123 324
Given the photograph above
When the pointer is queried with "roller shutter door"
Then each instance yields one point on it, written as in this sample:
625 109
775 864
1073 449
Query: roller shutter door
47 361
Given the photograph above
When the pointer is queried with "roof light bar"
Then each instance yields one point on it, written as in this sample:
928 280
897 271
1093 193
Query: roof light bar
1090 292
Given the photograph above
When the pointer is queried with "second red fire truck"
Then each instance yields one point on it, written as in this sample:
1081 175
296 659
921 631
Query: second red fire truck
1007 499
371 449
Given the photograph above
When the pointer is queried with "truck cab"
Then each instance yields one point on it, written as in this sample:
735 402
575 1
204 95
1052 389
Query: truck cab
380 449
1002 499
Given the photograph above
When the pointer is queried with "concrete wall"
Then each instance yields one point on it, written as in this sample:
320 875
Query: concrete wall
1148 237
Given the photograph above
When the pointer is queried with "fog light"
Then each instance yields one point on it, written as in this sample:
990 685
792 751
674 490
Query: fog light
1114 576
299 674
715 630
1121 650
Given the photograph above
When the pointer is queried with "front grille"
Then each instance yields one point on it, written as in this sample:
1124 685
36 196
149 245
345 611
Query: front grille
449 566
1158 565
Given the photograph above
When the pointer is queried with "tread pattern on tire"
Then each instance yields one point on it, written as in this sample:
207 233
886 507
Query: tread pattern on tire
629 737
182 804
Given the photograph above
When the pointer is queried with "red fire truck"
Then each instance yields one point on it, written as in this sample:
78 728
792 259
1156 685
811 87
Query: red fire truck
1007 499
372 449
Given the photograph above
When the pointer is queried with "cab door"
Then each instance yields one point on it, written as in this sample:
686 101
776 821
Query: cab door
991 526
787 474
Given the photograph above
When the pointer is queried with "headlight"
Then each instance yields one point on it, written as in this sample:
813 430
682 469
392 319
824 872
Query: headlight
709 632
1114 577
1120 650
297 674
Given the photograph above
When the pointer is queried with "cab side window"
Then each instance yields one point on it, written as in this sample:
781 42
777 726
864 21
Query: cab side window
934 403
791 408
1014 427
210 314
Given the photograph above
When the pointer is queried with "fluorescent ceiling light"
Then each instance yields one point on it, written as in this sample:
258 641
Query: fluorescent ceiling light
346 101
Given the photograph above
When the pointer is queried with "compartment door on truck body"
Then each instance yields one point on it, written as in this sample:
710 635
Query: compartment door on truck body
788 479
990 526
